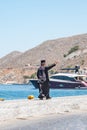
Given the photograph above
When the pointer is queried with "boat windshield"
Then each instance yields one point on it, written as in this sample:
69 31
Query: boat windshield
61 77
81 78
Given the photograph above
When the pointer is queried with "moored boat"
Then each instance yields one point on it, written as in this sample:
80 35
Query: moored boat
65 81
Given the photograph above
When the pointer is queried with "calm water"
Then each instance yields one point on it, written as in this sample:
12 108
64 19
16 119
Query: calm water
10 92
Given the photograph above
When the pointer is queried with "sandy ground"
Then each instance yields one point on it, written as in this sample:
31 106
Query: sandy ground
70 121
14 110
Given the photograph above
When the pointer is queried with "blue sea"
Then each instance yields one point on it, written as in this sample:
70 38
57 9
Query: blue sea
11 92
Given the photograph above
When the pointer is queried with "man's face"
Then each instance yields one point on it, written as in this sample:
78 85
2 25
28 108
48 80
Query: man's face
43 64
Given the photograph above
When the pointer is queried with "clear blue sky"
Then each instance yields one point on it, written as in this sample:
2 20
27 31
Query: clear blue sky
27 23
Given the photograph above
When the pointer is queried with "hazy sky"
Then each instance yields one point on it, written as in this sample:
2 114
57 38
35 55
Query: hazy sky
27 23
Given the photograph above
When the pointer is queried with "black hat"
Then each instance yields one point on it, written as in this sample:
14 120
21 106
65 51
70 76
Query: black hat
43 61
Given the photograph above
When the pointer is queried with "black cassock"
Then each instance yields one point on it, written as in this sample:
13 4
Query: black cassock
43 81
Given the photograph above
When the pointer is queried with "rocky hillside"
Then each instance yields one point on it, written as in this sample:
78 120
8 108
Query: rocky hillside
51 50
9 58
16 76
68 51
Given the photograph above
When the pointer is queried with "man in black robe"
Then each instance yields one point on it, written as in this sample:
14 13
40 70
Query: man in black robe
43 79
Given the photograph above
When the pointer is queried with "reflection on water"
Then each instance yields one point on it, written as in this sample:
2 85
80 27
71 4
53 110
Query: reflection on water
10 92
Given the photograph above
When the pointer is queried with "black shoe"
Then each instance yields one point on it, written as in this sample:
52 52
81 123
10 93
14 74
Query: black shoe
40 97
48 98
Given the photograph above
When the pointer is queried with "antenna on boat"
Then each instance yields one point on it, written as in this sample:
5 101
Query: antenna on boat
76 69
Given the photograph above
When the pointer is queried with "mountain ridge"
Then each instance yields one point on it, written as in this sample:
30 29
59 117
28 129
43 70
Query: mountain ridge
50 50
69 51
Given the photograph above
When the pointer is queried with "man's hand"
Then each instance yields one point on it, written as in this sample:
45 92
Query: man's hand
56 62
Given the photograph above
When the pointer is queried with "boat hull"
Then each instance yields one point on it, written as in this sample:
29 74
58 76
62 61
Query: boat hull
60 85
